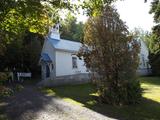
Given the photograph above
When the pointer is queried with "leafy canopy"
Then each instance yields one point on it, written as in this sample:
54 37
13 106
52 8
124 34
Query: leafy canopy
17 17
95 7
154 41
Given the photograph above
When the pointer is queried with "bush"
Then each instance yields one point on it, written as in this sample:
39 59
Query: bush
3 77
127 93
18 87
5 92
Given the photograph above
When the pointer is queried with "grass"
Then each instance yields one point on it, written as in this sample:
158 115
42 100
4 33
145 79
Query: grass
84 95
151 86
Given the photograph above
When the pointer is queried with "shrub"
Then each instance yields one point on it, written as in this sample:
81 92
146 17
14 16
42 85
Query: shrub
3 77
127 93
18 87
5 91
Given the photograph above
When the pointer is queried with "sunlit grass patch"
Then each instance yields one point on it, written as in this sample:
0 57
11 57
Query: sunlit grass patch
151 87
48 91
73 101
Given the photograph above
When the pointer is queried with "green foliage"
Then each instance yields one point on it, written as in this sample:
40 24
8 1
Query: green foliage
155 9
16 21
112 54
155 63
18 87
5 91
154 41
126 93
32 45
23 54
17 17
95 7
36 16
72 30
3 77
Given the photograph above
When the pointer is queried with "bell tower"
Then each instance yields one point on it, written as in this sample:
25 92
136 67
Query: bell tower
54 31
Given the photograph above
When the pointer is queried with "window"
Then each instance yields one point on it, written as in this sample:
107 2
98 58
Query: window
74 62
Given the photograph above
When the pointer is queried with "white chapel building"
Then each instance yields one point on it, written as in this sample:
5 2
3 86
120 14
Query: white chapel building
60 65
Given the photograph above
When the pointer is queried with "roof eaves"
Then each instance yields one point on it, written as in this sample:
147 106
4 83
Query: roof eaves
65 50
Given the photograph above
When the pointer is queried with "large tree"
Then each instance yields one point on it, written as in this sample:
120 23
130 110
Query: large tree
17 17
112 55
154 43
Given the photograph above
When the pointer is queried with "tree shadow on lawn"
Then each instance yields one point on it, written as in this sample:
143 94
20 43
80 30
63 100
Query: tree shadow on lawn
150 80
25 104
146 110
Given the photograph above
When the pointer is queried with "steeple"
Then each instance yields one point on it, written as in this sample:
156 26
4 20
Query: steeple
54 31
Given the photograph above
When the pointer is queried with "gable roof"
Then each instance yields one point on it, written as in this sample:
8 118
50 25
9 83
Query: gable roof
66 45
45 57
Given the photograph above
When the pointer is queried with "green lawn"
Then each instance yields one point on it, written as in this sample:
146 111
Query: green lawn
84 95
151 86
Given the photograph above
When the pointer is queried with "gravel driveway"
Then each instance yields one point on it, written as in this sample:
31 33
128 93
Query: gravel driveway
31 104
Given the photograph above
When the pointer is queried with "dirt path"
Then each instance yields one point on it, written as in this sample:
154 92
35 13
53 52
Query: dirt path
30 104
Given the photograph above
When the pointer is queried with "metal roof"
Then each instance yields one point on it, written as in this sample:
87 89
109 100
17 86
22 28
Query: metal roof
66 45
45 57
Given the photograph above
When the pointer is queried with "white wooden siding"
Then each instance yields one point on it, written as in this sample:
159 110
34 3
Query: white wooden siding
64 64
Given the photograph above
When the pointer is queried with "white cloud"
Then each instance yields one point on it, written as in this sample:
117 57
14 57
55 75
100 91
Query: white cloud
135 13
